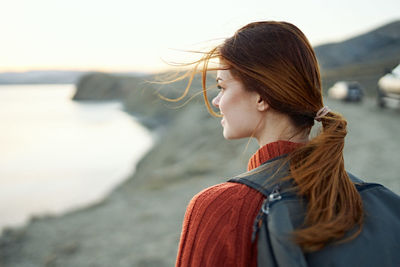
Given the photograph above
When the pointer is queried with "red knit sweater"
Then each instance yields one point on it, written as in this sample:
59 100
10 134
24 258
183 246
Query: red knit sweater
218 222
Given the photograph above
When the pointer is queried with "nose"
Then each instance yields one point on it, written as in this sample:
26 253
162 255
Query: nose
215 100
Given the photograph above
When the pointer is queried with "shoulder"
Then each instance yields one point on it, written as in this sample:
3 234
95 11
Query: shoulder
223 192
221 209
223 199
218 224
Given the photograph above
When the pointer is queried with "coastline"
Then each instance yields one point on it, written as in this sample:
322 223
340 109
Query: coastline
54 162
138 223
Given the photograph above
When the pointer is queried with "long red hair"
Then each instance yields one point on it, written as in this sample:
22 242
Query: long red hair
276 60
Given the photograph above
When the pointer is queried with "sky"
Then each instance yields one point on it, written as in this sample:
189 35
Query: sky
130 35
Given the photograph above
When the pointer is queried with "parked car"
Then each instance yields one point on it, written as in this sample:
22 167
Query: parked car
389 87
349 91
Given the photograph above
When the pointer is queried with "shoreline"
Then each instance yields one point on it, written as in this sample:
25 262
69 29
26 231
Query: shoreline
57 179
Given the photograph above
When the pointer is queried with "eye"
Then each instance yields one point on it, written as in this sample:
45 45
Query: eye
219 87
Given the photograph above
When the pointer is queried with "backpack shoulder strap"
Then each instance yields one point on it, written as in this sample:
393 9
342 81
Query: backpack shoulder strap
266 177
272 227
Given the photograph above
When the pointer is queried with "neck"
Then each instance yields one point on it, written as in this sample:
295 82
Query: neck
277 126
270 139
271 150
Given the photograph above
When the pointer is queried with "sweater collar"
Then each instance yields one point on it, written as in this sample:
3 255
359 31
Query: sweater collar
271 150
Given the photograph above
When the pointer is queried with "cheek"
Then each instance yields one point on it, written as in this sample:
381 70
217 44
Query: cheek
240 116
221 104
236 105
228 102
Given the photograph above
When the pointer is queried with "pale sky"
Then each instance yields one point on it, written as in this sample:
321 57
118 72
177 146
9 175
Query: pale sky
129 35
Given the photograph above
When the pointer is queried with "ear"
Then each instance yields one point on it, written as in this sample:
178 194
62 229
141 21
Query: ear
262 105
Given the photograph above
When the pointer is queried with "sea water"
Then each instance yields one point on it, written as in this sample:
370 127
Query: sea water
57 154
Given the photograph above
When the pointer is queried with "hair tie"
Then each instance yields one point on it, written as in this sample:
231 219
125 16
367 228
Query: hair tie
322 112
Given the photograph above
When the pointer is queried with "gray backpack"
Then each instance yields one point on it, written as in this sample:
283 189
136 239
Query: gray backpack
283 211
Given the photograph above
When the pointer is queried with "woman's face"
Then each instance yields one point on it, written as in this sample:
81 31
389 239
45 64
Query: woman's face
237 105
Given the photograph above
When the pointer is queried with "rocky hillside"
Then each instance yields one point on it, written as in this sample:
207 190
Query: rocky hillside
381 44
364 58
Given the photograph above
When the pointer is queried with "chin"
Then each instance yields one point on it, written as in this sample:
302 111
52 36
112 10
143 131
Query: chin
226 135
230 136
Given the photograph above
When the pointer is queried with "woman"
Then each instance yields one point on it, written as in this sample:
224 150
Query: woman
270 89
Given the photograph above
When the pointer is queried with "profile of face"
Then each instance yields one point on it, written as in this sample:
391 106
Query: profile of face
241 109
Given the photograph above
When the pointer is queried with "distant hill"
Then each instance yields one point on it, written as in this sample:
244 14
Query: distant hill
49 76
364 58
41 77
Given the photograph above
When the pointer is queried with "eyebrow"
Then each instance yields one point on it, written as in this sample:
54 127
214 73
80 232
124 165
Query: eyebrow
219 78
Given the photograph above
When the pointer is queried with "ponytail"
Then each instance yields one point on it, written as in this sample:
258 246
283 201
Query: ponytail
334 204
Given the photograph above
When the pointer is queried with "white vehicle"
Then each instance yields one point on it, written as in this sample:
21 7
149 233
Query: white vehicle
349 91
389 86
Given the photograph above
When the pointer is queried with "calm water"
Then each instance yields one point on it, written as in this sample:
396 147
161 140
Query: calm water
57 154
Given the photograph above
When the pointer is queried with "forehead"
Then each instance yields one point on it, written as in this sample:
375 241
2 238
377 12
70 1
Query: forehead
224 75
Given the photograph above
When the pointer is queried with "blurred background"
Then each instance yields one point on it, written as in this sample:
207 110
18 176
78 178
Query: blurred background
97 170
